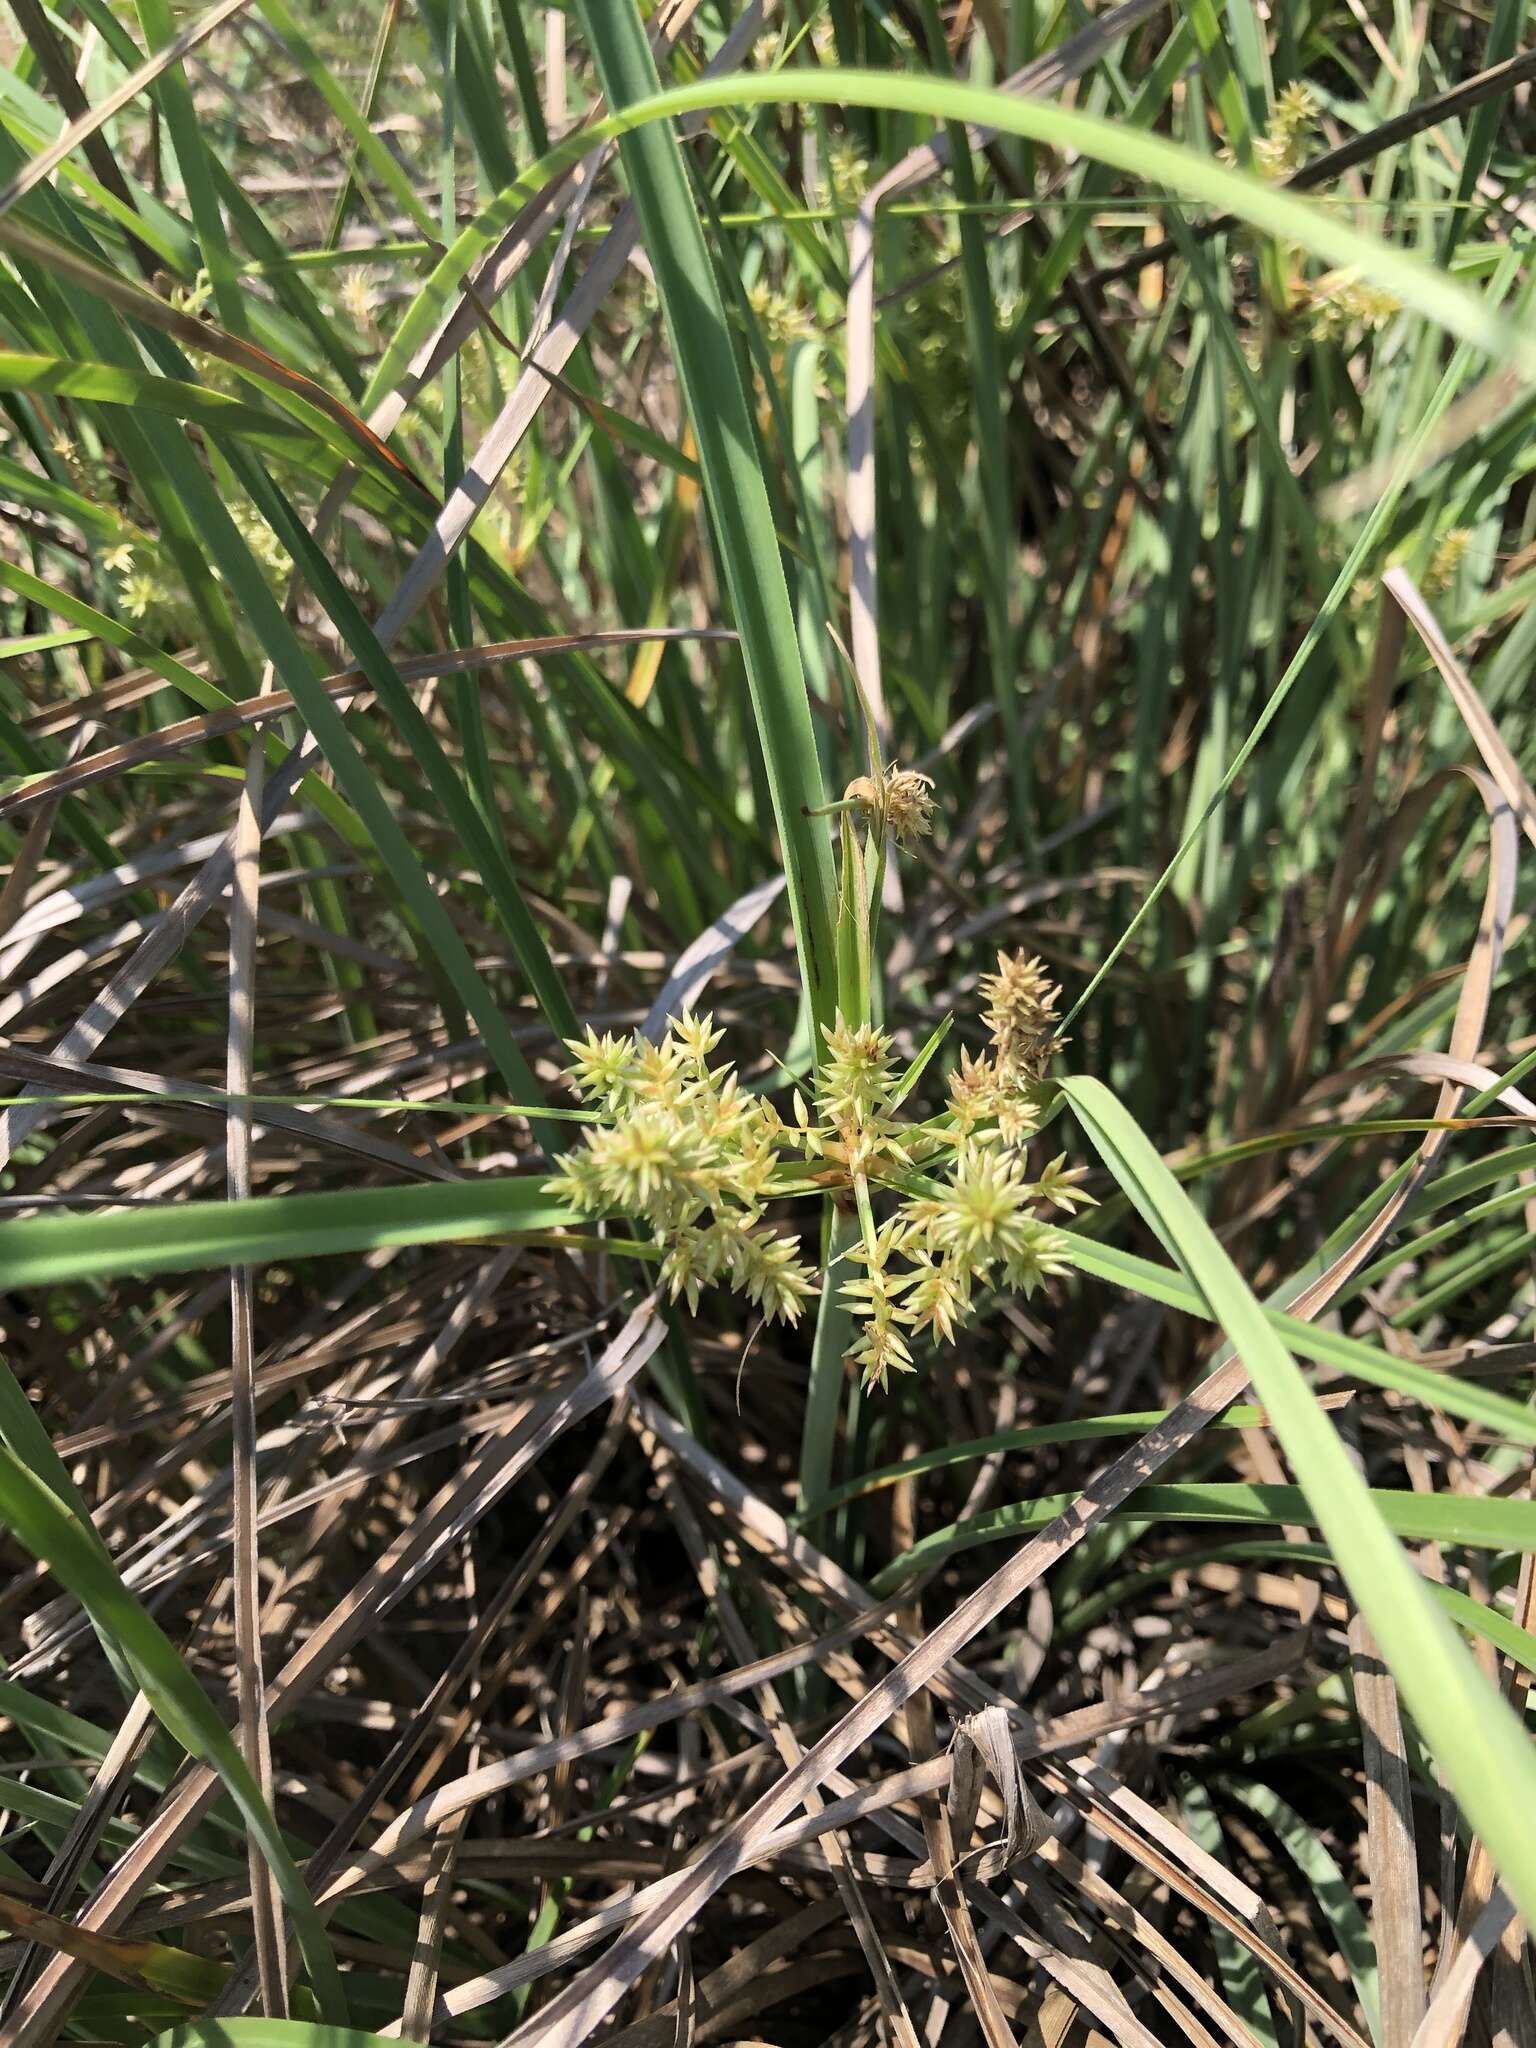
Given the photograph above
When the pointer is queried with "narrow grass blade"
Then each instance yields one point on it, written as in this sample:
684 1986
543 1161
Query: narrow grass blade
182 1236
40 1521
1494 1776
1329 1887
734 487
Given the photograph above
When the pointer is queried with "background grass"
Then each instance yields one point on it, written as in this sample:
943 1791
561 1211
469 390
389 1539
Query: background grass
463 429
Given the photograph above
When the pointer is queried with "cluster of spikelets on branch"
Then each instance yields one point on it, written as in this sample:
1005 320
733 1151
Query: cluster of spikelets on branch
1340 304
689 1154
1287 141
980 1225
683 1150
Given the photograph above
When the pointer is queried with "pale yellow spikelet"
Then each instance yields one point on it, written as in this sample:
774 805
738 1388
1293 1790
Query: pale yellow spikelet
983 1213
1058 1183
604 1069
973 1091
857 1073
1022 1004
847 174
1040 1252
694 1038
140 593
781 316
356 296
940 1299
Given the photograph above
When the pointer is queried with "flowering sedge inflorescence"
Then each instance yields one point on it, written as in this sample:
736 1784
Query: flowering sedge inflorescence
1340 304
697 1162
1283 148
900 802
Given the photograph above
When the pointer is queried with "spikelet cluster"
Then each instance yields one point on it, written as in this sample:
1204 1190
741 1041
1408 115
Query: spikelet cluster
689 1156
901 801
924 1270
781 317
684 1151
847 175
356 295
1450 552
89 474
982 1225
1340 304
1283 147
144 588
